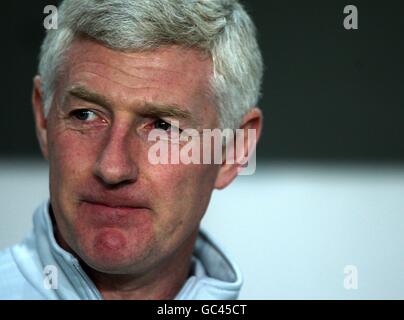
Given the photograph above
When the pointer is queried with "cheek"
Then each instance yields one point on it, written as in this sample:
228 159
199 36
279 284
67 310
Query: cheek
71 154
71 159
183 190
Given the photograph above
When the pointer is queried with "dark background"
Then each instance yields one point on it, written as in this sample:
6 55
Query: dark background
330 94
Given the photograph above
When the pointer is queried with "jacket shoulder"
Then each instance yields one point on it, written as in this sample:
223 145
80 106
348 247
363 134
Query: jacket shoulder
14 285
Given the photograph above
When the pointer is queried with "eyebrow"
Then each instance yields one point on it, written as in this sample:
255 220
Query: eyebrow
153 110
150 110
82 93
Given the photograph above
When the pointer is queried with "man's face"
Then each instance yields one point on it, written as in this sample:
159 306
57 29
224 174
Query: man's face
115 209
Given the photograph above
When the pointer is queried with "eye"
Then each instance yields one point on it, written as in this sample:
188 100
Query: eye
164 125
84 115
161 124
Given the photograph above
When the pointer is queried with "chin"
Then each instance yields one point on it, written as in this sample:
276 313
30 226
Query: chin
111 251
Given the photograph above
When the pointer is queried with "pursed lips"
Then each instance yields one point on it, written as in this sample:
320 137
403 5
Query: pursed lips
111 212
114 200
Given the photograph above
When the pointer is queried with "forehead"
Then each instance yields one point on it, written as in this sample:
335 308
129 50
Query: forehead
169 74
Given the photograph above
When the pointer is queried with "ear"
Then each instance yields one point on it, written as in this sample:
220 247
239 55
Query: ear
39 116
230 169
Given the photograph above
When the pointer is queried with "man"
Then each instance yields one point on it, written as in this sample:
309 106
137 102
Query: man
118 226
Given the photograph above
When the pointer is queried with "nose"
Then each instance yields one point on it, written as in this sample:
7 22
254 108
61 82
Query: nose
114 164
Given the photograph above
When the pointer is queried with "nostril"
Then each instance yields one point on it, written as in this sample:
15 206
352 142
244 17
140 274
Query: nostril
112 173
114 169
110 185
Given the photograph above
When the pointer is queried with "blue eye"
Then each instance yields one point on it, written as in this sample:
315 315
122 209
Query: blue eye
84 115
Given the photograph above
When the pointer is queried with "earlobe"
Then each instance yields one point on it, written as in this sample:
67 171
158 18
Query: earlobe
229 170
39 116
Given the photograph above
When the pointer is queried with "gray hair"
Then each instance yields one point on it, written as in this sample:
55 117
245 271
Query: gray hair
221 28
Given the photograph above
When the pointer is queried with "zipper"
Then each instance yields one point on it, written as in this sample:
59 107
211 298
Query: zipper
87 280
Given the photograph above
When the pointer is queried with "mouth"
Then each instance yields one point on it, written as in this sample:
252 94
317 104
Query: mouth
109 205
111 212
114 201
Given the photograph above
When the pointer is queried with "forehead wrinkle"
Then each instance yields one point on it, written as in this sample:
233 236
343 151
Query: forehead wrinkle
123 71
117 82
156 62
